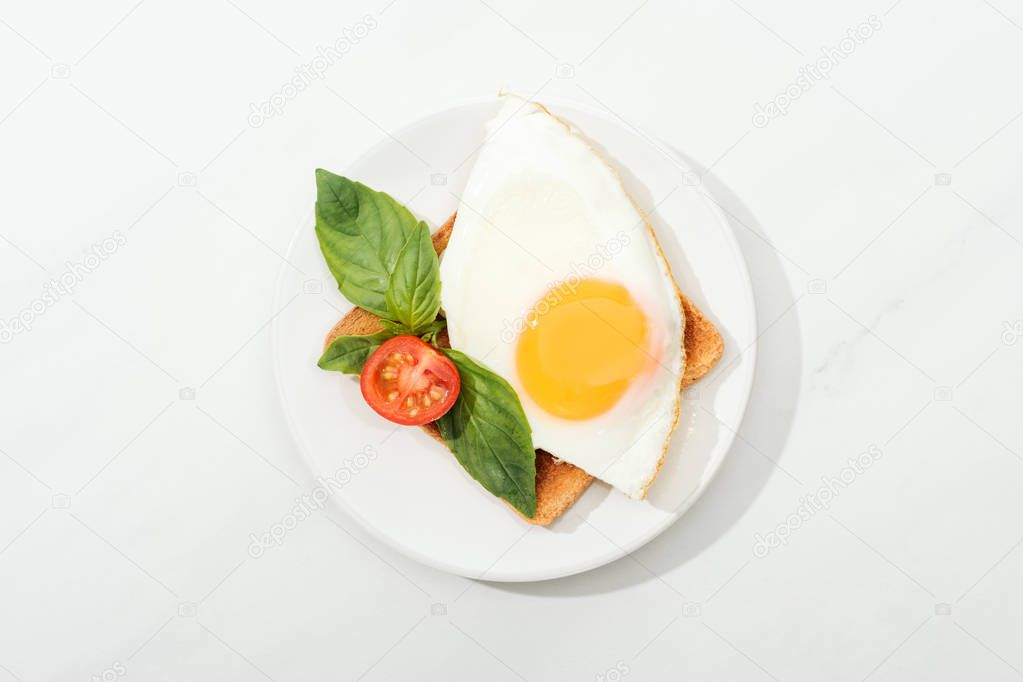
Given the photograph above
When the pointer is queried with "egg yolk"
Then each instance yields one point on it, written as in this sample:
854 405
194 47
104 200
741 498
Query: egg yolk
582 348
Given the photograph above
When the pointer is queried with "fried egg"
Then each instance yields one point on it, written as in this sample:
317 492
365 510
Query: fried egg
554 280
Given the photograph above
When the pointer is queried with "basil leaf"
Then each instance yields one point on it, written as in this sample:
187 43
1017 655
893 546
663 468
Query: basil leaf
361 233
349 353
413 290
488 433
396 328
429 332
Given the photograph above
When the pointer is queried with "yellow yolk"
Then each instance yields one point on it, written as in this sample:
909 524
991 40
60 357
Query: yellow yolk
582 348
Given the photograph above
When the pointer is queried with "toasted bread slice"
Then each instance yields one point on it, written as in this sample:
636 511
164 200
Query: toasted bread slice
559 484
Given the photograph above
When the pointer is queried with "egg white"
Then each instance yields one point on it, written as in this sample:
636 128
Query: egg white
540 210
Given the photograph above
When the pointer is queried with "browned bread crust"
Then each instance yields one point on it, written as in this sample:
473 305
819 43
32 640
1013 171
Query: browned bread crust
559 484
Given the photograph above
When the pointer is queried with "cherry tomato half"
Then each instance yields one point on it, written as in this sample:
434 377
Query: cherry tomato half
409 382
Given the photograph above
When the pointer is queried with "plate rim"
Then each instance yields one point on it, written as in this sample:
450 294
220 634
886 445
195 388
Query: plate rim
620 550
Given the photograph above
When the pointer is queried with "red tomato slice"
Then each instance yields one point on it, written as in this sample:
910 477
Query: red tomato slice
409 382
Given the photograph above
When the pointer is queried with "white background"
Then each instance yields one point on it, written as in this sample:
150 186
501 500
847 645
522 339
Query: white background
142 442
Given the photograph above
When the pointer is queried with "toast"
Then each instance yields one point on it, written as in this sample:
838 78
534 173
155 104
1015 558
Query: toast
558 483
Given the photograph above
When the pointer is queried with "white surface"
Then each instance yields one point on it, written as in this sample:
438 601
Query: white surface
164 493
444 518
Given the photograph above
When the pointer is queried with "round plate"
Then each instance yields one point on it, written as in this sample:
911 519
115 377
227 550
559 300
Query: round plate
406 489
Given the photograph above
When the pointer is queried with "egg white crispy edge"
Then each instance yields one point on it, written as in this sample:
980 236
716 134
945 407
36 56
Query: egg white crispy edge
660 253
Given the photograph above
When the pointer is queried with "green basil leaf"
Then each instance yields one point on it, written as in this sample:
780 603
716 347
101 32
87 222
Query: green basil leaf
361 234
349 353
488 433
396 328
413 290
429 332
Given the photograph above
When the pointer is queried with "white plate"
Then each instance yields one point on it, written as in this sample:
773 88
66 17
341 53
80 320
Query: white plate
407 490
